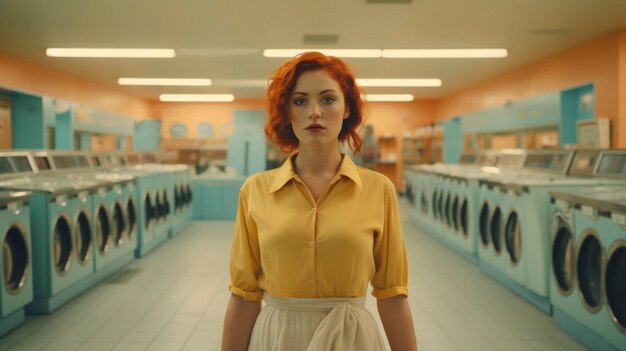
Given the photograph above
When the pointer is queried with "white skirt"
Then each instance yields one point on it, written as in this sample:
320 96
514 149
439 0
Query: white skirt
313 324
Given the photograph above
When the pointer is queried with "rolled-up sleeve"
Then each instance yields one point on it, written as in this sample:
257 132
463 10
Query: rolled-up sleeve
391 275
245 265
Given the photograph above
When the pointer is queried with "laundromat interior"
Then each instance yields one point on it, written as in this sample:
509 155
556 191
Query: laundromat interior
501 124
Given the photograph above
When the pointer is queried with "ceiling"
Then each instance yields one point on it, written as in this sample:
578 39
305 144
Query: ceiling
224 40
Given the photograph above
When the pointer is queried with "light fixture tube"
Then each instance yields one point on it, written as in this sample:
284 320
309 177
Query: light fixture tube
388 97
356 53
110 53
165 81
197 97
364 82
445 53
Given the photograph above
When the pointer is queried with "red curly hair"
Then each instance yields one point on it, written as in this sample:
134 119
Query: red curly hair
282 83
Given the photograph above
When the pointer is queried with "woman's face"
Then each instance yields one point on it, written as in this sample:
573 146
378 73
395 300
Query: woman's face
317 108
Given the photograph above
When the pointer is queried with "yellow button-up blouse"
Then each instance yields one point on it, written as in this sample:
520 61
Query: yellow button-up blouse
288 245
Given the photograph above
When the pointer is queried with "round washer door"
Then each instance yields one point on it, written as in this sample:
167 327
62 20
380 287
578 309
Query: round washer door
463 217
495 229
448 210
83 237
15 259
513 237
615 284
484 224
589 260
103 230
424 203
131 217
119 224
563 258
148 211
62 245
455 213
435 198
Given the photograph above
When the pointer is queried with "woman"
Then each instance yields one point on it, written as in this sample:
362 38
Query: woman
310 235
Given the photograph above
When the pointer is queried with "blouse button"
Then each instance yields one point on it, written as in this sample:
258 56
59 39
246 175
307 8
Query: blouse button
311 244
311 281
313 210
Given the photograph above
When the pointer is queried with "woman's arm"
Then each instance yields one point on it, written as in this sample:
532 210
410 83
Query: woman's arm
238 323
395 314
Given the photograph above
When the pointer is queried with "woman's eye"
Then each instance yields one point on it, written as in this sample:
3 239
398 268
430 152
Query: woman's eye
328 99
299 101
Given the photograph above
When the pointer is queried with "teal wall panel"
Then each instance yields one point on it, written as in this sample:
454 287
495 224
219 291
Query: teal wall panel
576 104
63 132
29 131
147 136
453 140
538 111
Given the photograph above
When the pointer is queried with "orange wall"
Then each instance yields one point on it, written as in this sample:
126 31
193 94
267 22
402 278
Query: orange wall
596 61
622 91
387 118
28 77
192 114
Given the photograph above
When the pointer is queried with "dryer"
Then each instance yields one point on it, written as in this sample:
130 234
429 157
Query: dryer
15 257
588 280
61 236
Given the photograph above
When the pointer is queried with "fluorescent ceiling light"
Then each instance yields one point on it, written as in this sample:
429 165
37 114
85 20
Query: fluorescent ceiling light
399 82
116 53
246 83
445 53
388 97
197 97
165 81
376 53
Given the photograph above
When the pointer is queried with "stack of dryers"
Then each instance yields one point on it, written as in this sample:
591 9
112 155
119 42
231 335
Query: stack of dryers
61 233
114 217
588 285
145 192
15 257
515 226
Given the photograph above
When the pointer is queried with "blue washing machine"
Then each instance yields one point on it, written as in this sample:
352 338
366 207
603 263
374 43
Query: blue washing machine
145 197
162 190
523 228
182 197
453 199
61 236
114 226
16 258
588 285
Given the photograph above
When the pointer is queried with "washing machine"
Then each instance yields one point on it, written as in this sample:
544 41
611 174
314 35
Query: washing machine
454 199
146 195
115 235
61 236
519 221
588 285
16 258
163 189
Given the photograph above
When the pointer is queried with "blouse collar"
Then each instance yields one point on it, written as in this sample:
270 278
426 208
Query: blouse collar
286 172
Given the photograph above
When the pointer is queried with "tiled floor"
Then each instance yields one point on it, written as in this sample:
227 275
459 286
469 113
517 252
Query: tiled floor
175 299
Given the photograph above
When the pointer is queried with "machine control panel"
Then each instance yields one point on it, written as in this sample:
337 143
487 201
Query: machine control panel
15 164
